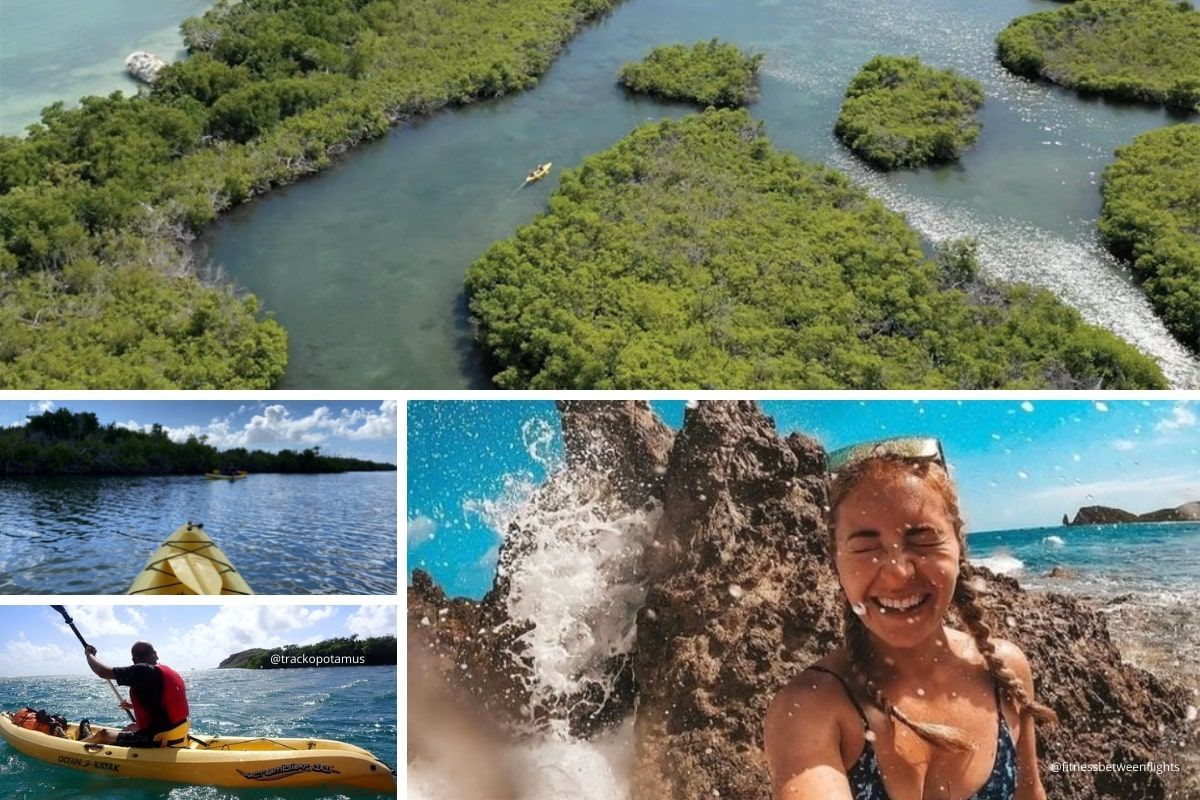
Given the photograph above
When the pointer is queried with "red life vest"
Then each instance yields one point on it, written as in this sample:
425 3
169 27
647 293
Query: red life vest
174 702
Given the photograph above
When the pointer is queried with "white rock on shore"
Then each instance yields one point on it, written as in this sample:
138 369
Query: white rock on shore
144 66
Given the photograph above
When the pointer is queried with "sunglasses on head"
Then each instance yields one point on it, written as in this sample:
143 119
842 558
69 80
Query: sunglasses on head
913 448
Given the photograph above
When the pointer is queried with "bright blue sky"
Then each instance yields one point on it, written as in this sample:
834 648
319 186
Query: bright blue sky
361 429
35 641
1018 464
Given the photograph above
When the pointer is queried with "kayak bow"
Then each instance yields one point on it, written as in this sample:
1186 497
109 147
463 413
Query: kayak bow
189 562
236 761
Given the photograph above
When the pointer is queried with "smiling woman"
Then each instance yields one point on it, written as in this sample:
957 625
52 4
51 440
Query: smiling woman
906 696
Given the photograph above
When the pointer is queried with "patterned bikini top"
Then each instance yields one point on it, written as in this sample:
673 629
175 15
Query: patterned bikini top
866 781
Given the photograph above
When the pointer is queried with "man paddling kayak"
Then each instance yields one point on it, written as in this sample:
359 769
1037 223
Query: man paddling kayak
156 696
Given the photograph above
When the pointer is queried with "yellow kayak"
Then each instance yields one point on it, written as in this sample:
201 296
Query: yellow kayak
540 172
236 761
189 562
221 476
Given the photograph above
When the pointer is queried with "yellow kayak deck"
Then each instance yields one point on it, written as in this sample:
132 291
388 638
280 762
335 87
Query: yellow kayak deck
221 476
213 761
189 562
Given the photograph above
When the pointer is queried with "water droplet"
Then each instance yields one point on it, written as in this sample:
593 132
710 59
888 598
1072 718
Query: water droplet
424 620
954 694
869 736
736 591
1027 406
891 662
1012 621
882 610
703 498
912 620
1022 474
920 692
1076 457
874 559
858 608
1101 406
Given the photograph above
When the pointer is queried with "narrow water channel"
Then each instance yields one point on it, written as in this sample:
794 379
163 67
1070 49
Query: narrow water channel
364 264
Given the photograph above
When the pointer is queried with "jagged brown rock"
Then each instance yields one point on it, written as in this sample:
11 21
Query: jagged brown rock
741 595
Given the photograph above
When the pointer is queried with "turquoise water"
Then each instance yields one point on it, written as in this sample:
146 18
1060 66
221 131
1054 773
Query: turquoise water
66 49
1145 579
351 704
287 534
364 263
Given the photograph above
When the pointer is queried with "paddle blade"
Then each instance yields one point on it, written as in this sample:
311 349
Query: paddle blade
63 610
196 573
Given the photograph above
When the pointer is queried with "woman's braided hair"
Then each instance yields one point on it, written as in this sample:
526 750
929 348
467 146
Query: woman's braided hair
965 600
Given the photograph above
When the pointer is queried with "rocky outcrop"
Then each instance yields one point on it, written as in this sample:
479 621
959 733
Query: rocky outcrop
144 66
741 538
241 659
1107 515
741 596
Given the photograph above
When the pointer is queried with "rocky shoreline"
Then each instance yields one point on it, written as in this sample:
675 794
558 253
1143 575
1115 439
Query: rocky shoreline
739 596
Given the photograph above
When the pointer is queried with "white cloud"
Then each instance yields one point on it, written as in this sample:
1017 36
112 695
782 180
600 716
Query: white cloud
275 427
370 621
96 621
1124 445
1182 416
41 406
1182 486
233 629
23 657
420 530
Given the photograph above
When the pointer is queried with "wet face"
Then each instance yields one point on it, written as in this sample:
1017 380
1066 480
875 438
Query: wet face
897 557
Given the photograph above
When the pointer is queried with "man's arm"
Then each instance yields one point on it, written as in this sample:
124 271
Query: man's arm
97 666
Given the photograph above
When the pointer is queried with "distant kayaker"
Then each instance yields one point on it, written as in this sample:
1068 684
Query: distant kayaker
157 698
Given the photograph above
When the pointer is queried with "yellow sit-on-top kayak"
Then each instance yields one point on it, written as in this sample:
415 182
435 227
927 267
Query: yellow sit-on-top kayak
213 761
226 476
189 563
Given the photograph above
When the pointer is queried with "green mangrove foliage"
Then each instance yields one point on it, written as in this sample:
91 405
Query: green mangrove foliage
900 113
62 442
692 254
1151 217
1143 50
712 73
98 203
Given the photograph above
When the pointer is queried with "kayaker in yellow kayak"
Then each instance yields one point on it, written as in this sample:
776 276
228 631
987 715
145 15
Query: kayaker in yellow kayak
157 698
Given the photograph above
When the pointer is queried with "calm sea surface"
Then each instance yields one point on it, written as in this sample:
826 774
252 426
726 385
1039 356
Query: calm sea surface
65 49
350 704
286 534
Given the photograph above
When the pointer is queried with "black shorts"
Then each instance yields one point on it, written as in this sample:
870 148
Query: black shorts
135 739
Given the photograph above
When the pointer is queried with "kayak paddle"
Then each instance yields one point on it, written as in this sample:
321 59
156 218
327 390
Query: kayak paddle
67 618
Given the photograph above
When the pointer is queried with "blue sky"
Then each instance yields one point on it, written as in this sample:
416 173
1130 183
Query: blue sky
360 429
35 641
1018 464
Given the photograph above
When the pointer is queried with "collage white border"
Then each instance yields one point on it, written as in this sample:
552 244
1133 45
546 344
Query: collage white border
403 397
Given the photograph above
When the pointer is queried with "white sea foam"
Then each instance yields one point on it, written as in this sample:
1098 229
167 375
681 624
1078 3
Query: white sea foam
1053 541
1001 563
572 558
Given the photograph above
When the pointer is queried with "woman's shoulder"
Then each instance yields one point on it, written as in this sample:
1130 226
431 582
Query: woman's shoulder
1015 659
813 697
